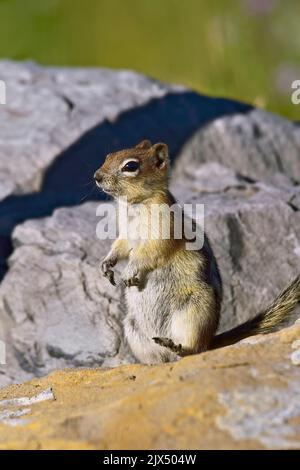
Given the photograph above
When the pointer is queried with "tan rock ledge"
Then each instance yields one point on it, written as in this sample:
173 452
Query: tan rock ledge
245 396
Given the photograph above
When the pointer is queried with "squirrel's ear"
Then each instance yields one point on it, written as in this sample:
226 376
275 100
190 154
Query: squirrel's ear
145 144
161 155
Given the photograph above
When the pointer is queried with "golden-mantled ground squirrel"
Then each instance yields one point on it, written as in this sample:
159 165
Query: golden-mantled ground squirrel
173 293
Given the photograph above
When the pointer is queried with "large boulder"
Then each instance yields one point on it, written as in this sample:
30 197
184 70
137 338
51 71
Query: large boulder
49 108
254 230
59 123
56 310
256 144
59 311
245 396
56 126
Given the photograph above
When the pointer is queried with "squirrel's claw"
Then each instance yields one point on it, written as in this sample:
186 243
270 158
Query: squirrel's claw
132 281
110 276
107 271
132 276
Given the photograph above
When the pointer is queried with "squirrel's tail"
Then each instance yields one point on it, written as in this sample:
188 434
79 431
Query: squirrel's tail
266 321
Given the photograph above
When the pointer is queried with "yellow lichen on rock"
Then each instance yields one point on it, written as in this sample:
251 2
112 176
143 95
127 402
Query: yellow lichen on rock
223 399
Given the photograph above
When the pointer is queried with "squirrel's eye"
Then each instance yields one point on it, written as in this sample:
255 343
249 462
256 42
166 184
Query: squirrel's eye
131 166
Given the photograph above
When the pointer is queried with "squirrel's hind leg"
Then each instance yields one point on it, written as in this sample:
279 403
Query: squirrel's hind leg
193 327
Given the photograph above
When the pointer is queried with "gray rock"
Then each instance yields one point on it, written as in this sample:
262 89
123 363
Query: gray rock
263 413
49 108
56 310
64 313
254 230
59 124
256 144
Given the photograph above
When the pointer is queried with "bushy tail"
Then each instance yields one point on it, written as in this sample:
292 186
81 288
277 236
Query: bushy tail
266 321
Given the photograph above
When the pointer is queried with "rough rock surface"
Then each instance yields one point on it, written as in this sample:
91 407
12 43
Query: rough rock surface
56 310
48 109
63 312
245 396
257 145
254 230
58 125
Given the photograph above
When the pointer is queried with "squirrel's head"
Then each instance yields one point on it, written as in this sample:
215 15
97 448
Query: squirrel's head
136 173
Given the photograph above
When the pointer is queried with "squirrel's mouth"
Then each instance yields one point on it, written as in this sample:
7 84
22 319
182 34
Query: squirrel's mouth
108 191
104 189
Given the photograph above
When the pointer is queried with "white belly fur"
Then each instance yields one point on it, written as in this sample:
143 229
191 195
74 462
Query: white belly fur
149 315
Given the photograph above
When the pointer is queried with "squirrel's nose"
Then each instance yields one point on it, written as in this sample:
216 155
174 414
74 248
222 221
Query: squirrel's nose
98 176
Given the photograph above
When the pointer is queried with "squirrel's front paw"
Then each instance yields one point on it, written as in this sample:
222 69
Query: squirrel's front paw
106 266
131 277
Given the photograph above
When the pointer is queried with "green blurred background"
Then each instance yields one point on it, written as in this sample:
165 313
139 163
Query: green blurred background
244 49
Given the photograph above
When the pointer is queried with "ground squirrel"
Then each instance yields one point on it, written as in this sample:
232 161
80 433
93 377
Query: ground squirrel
173 294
